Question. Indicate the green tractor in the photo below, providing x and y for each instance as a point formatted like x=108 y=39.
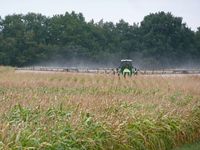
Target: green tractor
x=126 y=68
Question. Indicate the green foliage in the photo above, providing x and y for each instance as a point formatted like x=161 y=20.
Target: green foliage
x=161 y=40
x=195 y=146
x=180 y=100
x=153 y=133
x=54 y=129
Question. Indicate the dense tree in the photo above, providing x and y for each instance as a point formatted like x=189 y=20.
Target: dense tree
x=197 y=40
x=166 y=38
x=161 y=40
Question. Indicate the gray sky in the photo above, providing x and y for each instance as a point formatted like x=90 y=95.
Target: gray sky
x=109 y=10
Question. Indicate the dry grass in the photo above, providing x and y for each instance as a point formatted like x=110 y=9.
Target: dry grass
x=101 y=111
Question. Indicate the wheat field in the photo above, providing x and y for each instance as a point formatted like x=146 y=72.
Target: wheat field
x=97 y=111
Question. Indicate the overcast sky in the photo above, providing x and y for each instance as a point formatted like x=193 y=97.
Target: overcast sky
x=109 y=10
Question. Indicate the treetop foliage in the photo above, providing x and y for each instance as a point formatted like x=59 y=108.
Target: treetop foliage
x=161 y=40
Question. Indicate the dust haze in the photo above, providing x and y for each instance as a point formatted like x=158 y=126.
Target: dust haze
x=139 y=62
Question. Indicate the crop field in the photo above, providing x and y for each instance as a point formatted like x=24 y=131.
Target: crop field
x=97 y=111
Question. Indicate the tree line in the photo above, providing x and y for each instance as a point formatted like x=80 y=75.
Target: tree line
x=161 y=40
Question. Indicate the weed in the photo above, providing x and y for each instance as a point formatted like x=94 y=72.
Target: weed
x=76 y=111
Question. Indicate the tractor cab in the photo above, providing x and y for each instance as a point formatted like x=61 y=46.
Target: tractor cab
x=126 y=68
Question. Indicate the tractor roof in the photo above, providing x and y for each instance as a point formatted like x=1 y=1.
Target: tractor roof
x=123 y=60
